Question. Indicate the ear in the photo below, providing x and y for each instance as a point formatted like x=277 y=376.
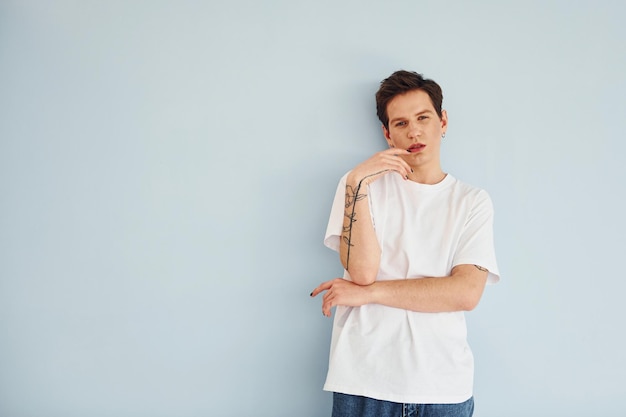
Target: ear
x=387 y=137
x=444 y=121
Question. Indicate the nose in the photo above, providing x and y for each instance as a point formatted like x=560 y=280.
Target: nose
x=415 y=131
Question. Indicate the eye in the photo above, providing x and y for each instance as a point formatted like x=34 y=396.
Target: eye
x=422 y=117
x=400 y=124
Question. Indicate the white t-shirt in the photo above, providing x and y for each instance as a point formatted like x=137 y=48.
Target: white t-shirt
x=399 y=355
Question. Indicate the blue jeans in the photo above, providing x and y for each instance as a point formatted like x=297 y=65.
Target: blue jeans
x=345 y=405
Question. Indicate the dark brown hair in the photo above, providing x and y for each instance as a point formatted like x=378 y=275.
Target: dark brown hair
x=401 y=82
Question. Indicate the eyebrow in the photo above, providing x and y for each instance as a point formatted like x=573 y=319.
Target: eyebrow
x=416 y=114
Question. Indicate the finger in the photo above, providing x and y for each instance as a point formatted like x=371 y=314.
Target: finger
x=393 y=156
x=401 y=167
x=329 y=303
x=326 y=309
x=326 y=305
x=395 y=151
x=322 y=287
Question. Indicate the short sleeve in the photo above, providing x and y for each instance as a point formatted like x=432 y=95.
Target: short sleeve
x=335 y=222
x=476 y=243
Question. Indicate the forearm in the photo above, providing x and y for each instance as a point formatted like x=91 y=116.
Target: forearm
x=461 y=291
x=359 y=250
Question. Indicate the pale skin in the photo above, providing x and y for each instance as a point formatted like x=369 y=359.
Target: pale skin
x=414 y=137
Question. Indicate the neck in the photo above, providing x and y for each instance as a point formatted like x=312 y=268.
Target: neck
x=427 y=176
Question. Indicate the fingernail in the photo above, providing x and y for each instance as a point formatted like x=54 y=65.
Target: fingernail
x=407 y=177
x=411 y=169
x=311 y=295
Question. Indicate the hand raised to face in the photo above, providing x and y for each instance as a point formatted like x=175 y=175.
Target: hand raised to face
x=379 y=164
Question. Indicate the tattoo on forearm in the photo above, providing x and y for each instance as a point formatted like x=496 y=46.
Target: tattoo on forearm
x=481 y=268
x=352 y=196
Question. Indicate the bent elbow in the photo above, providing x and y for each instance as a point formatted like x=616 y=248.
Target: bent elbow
x=469 y=302
x=469 y=306
x=363 y=276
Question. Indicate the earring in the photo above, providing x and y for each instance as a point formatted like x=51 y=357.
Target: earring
x=443 y=136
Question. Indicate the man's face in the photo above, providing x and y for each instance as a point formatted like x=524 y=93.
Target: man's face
x=415 y=126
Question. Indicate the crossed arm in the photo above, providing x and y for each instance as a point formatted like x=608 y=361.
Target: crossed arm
x=360 y=255
x=460 y=291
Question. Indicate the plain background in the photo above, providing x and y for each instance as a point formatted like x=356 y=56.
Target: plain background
x=167 y=169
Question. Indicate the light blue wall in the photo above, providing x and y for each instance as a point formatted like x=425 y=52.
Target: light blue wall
x=167 y=168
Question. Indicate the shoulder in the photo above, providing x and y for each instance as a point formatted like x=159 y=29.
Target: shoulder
x=478 y=196
x=467 y=188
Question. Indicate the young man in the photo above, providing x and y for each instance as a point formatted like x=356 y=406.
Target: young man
x=417 y=248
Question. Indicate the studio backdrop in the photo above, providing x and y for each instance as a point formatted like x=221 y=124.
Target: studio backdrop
x=167 y=170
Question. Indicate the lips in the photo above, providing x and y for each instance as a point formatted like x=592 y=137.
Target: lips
x=416 y=147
